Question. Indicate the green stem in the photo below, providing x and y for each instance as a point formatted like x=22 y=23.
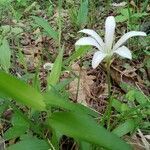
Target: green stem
x=108 y=79
x=107 y=114
x=108 y=110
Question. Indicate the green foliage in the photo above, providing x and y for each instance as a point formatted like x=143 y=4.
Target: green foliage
x=5 y=54
x=134 y=94
x=79 y=16
x=22 y=2
x=54 y=76
x=27 y=143
x=5 y=2
x=85 y=128
x=70 y=124
x=19 y=126
x=80 y=52
x=83 y=13
x=7 y=29
x=47 y=28
x=124 y=128
x=56 y=100
x=124 y=16
x=134 y=115
x=119 y=106
x=20 y=91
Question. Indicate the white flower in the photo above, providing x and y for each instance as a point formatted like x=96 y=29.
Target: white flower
x=107 y=49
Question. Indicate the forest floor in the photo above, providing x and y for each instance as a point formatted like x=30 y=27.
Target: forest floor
x=32 y=47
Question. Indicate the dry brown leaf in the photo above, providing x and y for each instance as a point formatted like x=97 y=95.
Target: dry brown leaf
x=132 y=3
x=32 y=56
x=37 y=32
x=80 y=88
x=135 y=142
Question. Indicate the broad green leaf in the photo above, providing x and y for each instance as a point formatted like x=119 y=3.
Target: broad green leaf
x=124 y=15
x=20 y=124
x=125 y=12
x=80 y=51
x=54 y=99
x=131 y=95
x=119 y=106
x=121 y=18
x=82 y=127
x=14 y=132
x=135 y=94
x=45 y=25
x=140 y=97
x=27 y=95
x=83 y=13
x=54 y=76
x=5 y=54
x=3 y=106
x=19 y=119
x=124 y=128
x=20 y=91
x=62 y=84
x=139 y=15
x=85 y=145
x=56 y=136
x=30 y=144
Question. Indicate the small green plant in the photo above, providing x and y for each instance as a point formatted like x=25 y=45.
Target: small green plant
x=67 y=123
x=133 y=116
x=127 y=15
x=79 y=17
x=47 y=28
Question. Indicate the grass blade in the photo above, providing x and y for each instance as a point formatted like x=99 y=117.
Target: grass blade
x=54 y=76
x=124 y=128
x=45 y=25
x=83 y=13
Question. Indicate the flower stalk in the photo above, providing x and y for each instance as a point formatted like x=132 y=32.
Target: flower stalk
x=108 y=64
x=106 y=50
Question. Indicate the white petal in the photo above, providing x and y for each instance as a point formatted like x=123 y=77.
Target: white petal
x=124 y=52
x=126 y=36
x=110 y=25
x=88 y=41
x=94 y=35
x=97 y=58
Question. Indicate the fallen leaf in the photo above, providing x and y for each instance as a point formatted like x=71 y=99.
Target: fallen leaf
x=80 y=88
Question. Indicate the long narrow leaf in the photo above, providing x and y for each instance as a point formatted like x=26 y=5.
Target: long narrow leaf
x=83 y=13
x=80 y=51
x=54 y=76
x=30 y=144
x=54 y=99
x=124 y=128
x=21 y=92
x=45 y=25
x=85 y=128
